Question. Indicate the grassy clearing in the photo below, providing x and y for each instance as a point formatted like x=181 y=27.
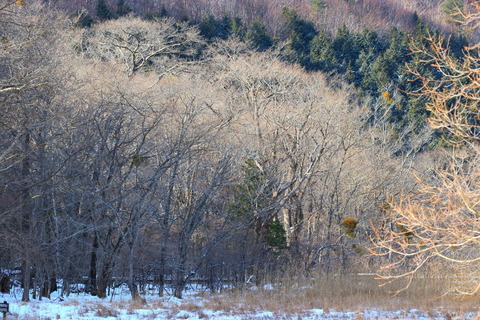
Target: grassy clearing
x=343 y=293
x=351 y=296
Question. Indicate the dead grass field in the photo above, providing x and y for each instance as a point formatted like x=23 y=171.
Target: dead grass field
x=353 y=293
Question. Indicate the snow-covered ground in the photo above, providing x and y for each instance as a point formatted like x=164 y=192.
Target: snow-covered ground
x=83 y=306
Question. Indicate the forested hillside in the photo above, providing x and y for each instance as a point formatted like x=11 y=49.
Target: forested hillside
x=328 y=15
x=161 y=143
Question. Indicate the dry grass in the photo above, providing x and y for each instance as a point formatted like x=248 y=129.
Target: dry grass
x=100 y=309
x=294 y=295
x=105 y=311
x=192 y=307
x=71 y=303
x=342 y=293
x=139 y=303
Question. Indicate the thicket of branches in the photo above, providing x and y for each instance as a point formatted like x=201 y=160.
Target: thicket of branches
x=151 y=152
x=328 y=15
x=438 y=224
x=140 y=159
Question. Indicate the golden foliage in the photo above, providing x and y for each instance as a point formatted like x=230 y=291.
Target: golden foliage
x=20 y=3
x=387 y=97
x=408 y=234
x=349 y=225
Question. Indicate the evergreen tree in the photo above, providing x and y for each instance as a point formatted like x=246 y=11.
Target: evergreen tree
x=237 y=27
x=397 y=50
x=211 y=28
x=457 y=45
x=368 y=40
x=301 y=32
x=102 y=11
x=254 y=195
x=224 y=27
x=276 y=235
x=422 y=30
x=364 y=80
x=258 y=36
x=122 y=8
x=322 y=56
x=208 y=27
x=318 y=7
x=345 y=48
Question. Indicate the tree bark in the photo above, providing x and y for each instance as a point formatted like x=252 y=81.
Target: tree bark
x=103 y=278
x=92 y=276
x=131 y=275
x=26 y=282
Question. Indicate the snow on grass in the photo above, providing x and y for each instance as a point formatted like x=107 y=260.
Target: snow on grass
x=119 y=306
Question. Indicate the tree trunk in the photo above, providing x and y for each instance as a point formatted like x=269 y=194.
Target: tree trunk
x=65 y=288
x=165 y=229
x=26 y=217
x=92 y=276
x=179 y=285
x=163 y=259
x=5 y=284
x=180 y=274
x=131 y=275
x=161 y=285
x=26 y=282
x=103 y=278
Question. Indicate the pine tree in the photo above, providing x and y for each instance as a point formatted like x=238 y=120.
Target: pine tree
x=208 y=27
x=345 y=48
x=254 y=195
x=368 y=40
x=276 y=235
x=301 y=32
x=322 y=56
x=237 y=27
x=102 y=11
x=122 y=8
x=258 y=36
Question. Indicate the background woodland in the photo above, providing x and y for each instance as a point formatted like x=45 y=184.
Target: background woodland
x=160 y=143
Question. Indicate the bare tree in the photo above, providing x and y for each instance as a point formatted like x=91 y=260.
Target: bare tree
x=439 y=223
x=31 y=82
x=161 y=45
x=319 y=157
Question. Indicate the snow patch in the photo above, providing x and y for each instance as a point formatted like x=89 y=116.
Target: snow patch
x=268 y=287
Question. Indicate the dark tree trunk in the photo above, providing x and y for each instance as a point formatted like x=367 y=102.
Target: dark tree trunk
x=131 y=276
x=103 y=280
x=180 y=274
x=26 y=282
x=179 y=286
x=5 y=284
x=26 y=221
x=92 y=276
x=161 y=285
x=49 y=286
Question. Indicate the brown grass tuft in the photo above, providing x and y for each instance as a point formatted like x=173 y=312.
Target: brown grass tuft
x=105 y=311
